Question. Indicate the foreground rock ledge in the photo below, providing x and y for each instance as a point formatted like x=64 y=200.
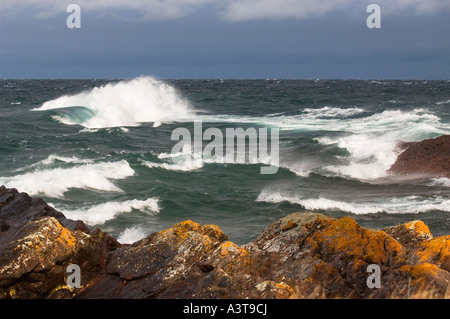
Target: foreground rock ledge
x=303 y=255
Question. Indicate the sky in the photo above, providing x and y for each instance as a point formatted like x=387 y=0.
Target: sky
x=224 y=39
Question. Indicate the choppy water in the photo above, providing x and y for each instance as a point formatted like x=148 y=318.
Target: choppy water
x=101 y=151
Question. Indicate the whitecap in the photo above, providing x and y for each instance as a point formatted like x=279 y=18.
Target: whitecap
x=55 y=182
x=101 y=213
x=121 y=104
x=443 y=102
x=131 y=235
x=441 y=181
x=396 y=205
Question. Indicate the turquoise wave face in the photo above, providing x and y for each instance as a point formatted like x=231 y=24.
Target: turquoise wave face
x=74 y=115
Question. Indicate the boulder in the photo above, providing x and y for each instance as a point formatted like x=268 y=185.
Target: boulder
x=36 y=249
x=429 y=157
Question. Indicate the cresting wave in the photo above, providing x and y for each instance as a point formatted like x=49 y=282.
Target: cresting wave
x=54 y=182
x=101 y=213
x=125 y=103
x=403 y=205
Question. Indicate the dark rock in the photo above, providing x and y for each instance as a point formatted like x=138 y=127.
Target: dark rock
x=3 y=226
x=430 y=157
x=16 y=208
x=36 y=248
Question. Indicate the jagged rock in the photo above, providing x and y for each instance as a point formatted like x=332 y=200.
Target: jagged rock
x=312 y=250
x=429 y=157
x=35 y=248
x=16 y=208
x=302 y=255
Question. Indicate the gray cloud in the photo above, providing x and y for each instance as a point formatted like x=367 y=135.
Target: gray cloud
x=147 y=9
x=231 y=10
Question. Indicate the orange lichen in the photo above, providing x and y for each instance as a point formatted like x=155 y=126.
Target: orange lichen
x=66 y=237
x=180 y=230
x=229 y=247
x=436 y=250
x=214 y=231
x=346 y=236
x=284 y=286
x=278 y=290
x=287 y=225
x=421 y=270
x=420 y=229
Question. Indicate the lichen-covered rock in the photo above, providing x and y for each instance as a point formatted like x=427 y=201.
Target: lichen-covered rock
x=312 y=250
x=410 y=233
x=302 y=255
x=423 y=249
x=36 y=249
x=426 y=280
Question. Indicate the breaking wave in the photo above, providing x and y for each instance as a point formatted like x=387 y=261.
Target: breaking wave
x=54 y=182
x=101 y=213
x=402 y=205
x=125 y=103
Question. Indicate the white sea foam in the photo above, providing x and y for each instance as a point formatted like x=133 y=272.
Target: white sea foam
x=371 y=155
x=101 y=213
x=442 y=181
x=131 y=235
x=55 y=182
x=297 y=170
x=372 y=146
x=404 y=205
x=318 y=204
x=332 y=112
x=185 y=165
x=125 y=103
x=185 y=162
x=443 y=102
x=407 y=125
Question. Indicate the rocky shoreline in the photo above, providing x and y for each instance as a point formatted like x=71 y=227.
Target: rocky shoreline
x=302 y=255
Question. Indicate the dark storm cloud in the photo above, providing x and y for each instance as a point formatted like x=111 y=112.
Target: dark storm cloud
x=208 y=39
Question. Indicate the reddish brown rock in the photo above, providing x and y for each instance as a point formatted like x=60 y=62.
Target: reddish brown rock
x=430 y=157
